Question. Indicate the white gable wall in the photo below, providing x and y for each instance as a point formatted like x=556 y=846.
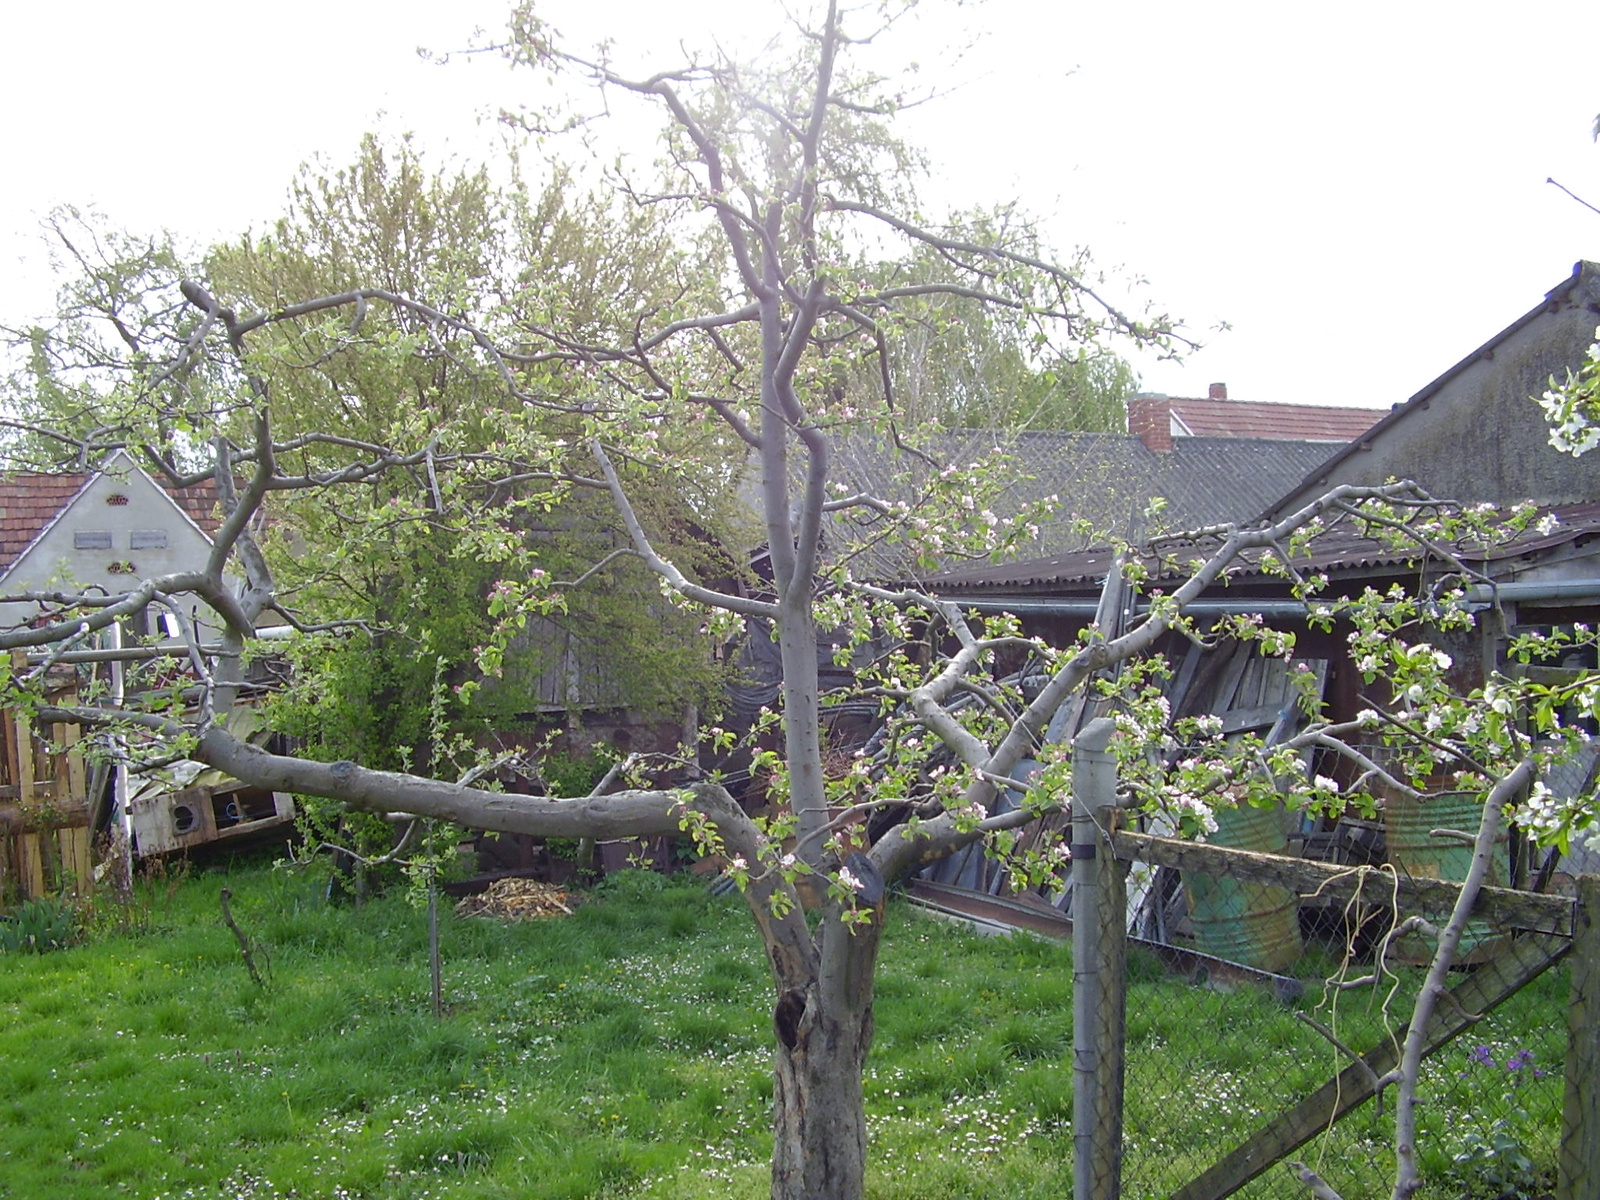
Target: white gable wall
x=110 y=535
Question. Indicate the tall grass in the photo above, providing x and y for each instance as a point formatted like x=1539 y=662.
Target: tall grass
x=621 y=1052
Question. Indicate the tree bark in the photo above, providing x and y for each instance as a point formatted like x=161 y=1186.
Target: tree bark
x=824 y=1031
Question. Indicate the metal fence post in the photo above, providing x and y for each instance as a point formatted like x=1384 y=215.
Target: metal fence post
x=1099 y=951
x=1578 y=1175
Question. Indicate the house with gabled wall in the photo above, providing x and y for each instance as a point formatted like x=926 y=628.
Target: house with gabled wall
x=1475 y=433
x=102 y=530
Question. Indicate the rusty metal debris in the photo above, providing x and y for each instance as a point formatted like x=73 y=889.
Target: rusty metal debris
x=517 y=900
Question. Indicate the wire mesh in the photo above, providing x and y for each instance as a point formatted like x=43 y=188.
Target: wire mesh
x=1211 y=1062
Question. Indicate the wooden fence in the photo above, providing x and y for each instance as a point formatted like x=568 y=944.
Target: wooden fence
x=45 y=834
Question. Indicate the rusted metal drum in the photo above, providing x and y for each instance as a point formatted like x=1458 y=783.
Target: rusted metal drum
x=1256 y=924
x=1415 y=853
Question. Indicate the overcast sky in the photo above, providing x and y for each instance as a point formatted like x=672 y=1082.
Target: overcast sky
x=1358 y=190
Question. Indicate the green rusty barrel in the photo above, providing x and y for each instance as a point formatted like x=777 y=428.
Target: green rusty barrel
x=1256 y=924
x=1407 y=826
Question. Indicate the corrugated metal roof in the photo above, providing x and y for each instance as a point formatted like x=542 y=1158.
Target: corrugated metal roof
x=1107 y=480
x=1343 y=548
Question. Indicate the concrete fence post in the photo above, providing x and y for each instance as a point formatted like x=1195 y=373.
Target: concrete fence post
x=1578 y=1170
x=1099 y=955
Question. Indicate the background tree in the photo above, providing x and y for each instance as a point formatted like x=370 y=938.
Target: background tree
x=90 y=379
x=961 y=363
x=410 y=582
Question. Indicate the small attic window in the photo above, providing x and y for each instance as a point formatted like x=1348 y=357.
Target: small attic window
x=92 y=539
x=116 y=500
x=147 y=539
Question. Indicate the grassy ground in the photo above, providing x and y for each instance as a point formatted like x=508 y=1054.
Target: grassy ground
x=623 y=1051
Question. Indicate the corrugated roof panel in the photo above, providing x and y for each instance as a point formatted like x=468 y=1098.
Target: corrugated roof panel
x=1106 y=480
x=1343 y=548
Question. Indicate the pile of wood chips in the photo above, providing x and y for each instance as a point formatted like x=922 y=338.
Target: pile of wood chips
x=516 y=900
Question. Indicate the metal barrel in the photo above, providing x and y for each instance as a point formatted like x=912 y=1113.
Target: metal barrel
x=1408 y=826
x=1255 y=924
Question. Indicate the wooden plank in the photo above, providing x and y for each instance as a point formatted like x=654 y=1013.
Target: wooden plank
x=1334 y=883
x=1238 y=720
x=1256 y=683
x=13 y=751
x=1487 y=987
x=50 y=860
x=30 y=865
x=1111 y=1020
x=1099 y=952
x=1578 y=1171
x=22 y=734
x=1232 y=674
x=1178 y=693
x=1210 y=681
x=16 y=819
x=85 y=852
x=9 y=764
x=74 y=776
x=77 y=860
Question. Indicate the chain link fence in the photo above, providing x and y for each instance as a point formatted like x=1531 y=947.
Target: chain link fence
x=1200 y=1078
x=1212 y=1062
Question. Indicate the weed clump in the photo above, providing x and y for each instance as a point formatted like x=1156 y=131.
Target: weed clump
x=38 y=926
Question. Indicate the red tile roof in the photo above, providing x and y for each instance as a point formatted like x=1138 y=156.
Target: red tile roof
x=200 y=503
x=1284 y=422
x=28 y=502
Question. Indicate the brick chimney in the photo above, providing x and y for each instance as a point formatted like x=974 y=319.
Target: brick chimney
x=1219 y=391
x=1150 y=420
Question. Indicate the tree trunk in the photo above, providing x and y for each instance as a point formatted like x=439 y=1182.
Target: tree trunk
x=823 y=1034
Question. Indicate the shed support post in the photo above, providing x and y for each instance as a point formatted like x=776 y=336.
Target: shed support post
x=1099 y=952
x=1578 y=1172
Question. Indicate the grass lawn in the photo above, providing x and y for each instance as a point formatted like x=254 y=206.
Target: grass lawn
x=619 y=1052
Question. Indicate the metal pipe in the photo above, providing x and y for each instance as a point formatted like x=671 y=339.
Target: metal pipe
x=276 y=633
x=1022 y=606
x=126 y=654
x=1549 y=589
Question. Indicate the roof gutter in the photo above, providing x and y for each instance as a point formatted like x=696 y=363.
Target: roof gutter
x=1087 y=608
x=1477 y=595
